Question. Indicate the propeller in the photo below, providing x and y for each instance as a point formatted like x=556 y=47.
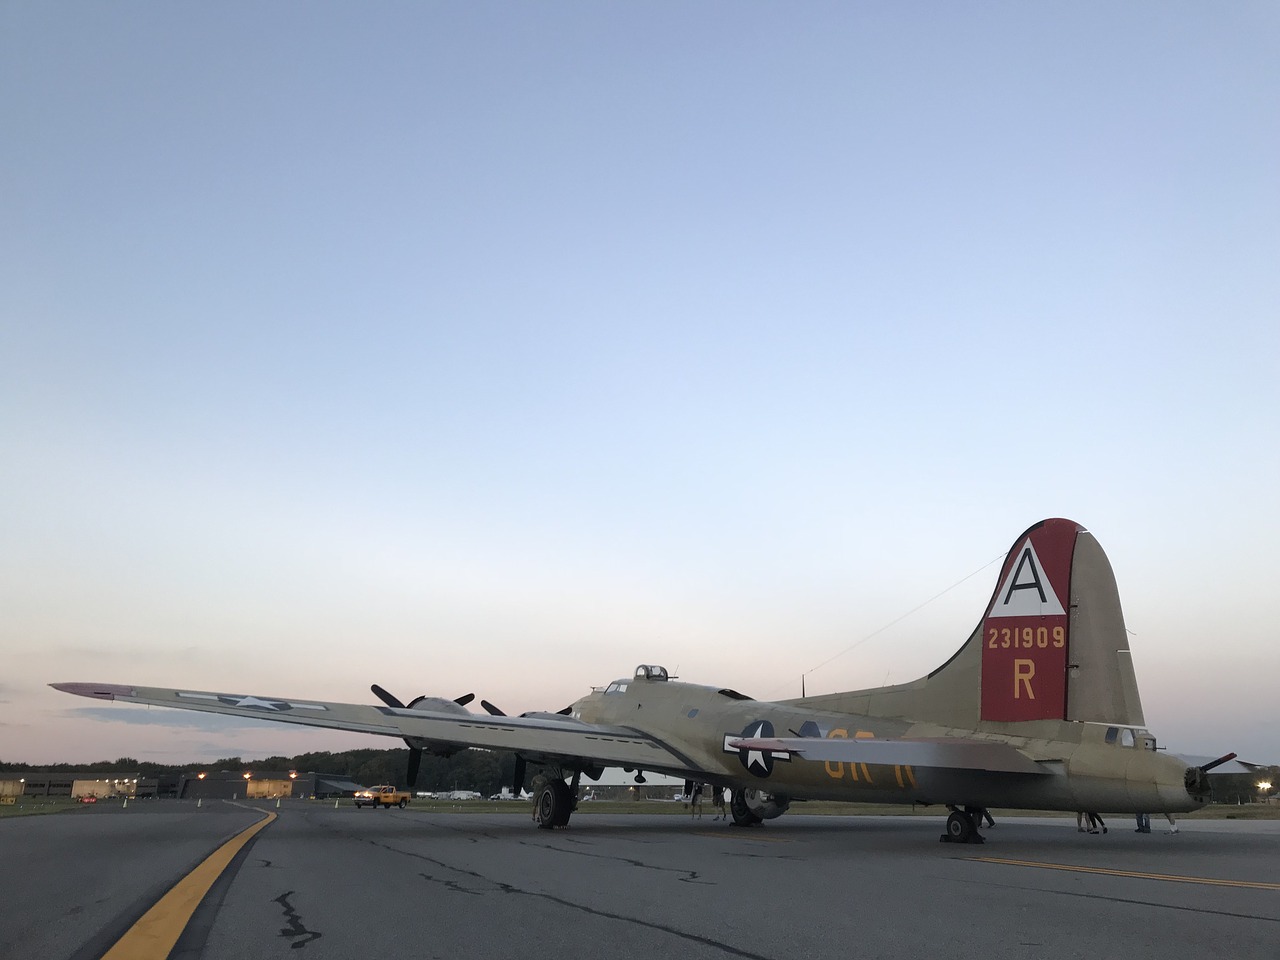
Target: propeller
x=415 y=753
x=491 y=709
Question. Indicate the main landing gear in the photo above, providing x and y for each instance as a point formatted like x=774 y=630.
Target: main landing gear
x=555 y=801
x=962 y=826
x=743 y=815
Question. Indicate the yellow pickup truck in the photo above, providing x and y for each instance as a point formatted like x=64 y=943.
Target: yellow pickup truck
x=384 y=795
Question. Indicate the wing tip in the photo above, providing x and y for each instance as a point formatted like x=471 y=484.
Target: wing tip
x=98 y=691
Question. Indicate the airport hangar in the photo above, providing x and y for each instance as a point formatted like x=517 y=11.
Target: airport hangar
x=188 y=785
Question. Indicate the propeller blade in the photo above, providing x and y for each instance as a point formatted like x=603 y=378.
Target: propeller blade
x=491 y=709
x=415 y=761
x=517 y=782
x=385 y=697
x=463 y=700
x=1217 y=763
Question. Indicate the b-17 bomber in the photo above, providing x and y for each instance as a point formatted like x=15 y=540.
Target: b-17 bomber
x=1038 y=709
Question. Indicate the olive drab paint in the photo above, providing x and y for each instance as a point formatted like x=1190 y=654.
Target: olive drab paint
x=1026 y=631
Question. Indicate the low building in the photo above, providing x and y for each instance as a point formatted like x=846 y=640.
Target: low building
x=117 y=783
x=264 y=785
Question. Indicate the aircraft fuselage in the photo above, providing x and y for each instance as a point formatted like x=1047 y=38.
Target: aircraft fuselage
x=1080 y=771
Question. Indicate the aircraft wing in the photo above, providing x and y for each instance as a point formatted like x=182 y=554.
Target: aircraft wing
x=536 y=737
x=949 y=753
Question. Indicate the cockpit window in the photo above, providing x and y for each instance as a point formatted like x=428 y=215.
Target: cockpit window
x=618 y=686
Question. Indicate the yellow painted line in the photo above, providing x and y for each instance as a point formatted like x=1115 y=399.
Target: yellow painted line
x=1104 y=871
x=154 y=935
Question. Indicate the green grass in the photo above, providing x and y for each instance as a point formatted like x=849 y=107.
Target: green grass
x=35 y=806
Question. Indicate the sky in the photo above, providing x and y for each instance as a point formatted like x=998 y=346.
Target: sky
x=500 y=347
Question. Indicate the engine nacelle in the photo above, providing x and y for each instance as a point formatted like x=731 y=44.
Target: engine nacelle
x=766 y=806
x=437 y=705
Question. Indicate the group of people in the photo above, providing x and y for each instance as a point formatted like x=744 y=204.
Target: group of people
x=1096 y=823
x=717 y=801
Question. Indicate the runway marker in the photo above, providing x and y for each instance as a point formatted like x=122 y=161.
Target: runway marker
x=1107 y=872
x=156 y=932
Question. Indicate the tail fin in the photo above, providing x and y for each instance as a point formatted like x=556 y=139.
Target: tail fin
x=1051 y=646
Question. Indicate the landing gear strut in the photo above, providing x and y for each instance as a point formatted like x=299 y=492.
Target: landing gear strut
x=962 y=826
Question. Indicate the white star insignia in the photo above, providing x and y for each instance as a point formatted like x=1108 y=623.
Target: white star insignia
x=756 y=756
x=255 y=702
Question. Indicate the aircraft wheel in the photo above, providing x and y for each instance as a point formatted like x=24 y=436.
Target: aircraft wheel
x=555 y=803
x=959 y=827
x=742 y=815
x=565 y=802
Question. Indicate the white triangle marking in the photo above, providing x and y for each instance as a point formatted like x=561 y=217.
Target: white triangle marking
x=1026 y=591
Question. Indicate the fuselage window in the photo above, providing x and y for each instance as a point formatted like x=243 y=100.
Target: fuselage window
x=1112 y=733
x=1126 y=738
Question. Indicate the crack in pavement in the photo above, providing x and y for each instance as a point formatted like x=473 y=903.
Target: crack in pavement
x=295 y=926
x=687 y=876
x=1129 y=900
x=453 y=886
x=509 y=888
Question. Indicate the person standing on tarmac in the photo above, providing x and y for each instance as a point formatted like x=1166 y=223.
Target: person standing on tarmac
x=695 y=801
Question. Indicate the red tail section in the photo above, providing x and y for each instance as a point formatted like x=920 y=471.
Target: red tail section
x=1025 y=634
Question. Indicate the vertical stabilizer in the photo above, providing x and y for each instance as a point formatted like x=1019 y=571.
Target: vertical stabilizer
x=1025 y=634
x=1051 y=646
x=1101 y=683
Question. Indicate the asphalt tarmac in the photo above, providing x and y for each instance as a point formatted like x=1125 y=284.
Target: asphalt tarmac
x=319 y=882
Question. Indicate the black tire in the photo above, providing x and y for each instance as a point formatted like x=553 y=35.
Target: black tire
x=959 y=827
x=742 y=815
x=544 y=808
x=403 y=803
x=554 y=805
